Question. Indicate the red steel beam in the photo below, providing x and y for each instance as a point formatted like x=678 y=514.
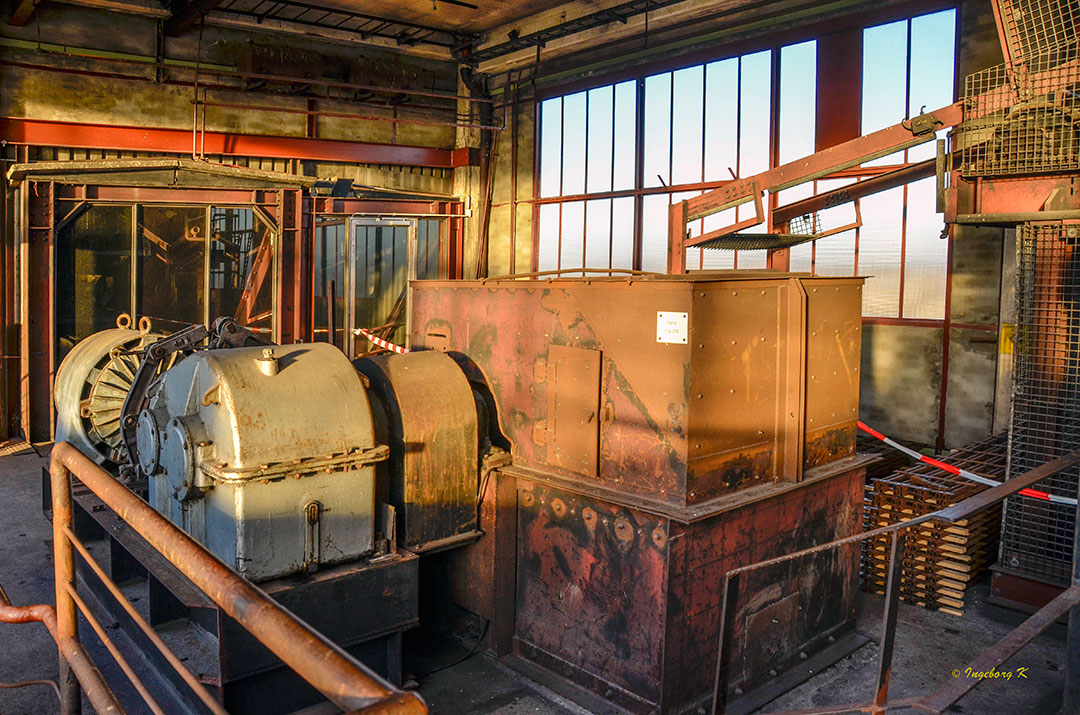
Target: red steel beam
x=179 y=141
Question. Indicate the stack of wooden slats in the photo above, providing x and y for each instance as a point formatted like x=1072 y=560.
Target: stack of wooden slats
x=940 y=560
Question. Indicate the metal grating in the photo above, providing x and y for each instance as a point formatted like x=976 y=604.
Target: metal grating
x=1033 y=27
x=1037 y=536
x=808 y=227
x=1023 y=119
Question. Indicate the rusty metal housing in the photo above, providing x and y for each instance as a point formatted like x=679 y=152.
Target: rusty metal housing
x=664 y=430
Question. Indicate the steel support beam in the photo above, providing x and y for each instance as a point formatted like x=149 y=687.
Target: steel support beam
x=179 y=141
x=23 y=11
x=189 y=16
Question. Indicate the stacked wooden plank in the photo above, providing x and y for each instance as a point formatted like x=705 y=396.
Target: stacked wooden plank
x=940 y=560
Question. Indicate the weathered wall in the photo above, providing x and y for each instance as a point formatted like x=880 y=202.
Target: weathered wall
x=164 y=99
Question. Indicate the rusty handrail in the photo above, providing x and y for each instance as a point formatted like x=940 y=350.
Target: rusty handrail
x=75 y=664
x=945 y=696
x=342 y=679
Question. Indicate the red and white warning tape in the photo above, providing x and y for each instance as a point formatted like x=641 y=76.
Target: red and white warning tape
x=1029 y=492
x=380 y=342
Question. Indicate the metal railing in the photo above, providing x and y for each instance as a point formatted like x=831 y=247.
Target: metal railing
x=953 y=690
x=337 y=675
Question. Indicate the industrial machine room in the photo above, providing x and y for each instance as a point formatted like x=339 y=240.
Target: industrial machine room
x=647 y=357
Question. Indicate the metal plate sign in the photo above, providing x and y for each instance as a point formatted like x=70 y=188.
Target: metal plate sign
x=671 y=327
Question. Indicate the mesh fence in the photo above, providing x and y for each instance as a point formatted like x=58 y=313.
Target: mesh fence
x=1037 y=537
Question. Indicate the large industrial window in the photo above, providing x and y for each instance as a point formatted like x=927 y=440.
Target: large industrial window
x=613 y=158
x=175 y=265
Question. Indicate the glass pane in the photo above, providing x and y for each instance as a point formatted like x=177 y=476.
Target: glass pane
x=171 y=265
x=925 y=255
x=622 y=232
x=754 y=113
x=751 y=259
x=657 y=130
x=93 y=274
x=721 y=120
x=884 y=85
x=798 y=80
x=625 y=135
x=573 y=235
x=550 y=146
x=548 y=233
x=688 y=115
x=933 y=46
x=599 y=140
x=329 y=258
x=835 y=255
x=879 y=252
x=241 y=268
x=712 y=260
x=380 y=265
x=654 y=233
x=573 y=149
x=428 y=232
x=598 y=234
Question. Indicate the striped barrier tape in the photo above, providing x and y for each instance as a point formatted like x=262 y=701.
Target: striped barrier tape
x=1029 y=492
x=380 y=342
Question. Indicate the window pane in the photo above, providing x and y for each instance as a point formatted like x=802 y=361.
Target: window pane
x=93 y=274
x=550 y=146
x=714 y=259
x=751 y=259
x=657 y=130
x=933 y=44
x=573 y=150
x=654 y=233
x=548 y=233
x=241 y=268
x=328 y=266
x=573 y=235
x=879 y=252
x=721 y=119
x=754 y=115
x=835 y=255
x=926 y=254
x=428 y=232
x=798 y=77
x=598 y=234
x=687 y=120
x=599 y=144
x=171 y=265
x=625 y=135
x=884 y=86
x=622 y=232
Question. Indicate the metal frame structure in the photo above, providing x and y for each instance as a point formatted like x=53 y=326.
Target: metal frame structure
x=942 y=698
x=338 y=676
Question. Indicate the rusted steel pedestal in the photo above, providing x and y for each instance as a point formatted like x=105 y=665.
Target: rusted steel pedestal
x=625 y=601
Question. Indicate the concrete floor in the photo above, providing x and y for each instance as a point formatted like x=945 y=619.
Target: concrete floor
x=930 y=645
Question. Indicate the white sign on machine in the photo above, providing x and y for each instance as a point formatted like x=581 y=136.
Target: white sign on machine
x=671 y=327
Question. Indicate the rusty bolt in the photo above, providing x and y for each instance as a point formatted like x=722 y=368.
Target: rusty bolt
x=558 y=507
x=624 y=531
x=527 y=499
x=588 y=516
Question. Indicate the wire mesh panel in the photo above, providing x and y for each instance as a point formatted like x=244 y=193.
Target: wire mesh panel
x=1037 y=536
x=1023 y=118
x=1035 y=26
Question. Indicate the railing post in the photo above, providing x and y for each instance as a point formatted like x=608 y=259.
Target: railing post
x=888 y=624
x=64 y=566
x=726 y=644
x=1071 y=700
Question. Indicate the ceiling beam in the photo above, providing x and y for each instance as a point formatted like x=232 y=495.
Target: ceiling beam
x=24 y=10
x=189 y=16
